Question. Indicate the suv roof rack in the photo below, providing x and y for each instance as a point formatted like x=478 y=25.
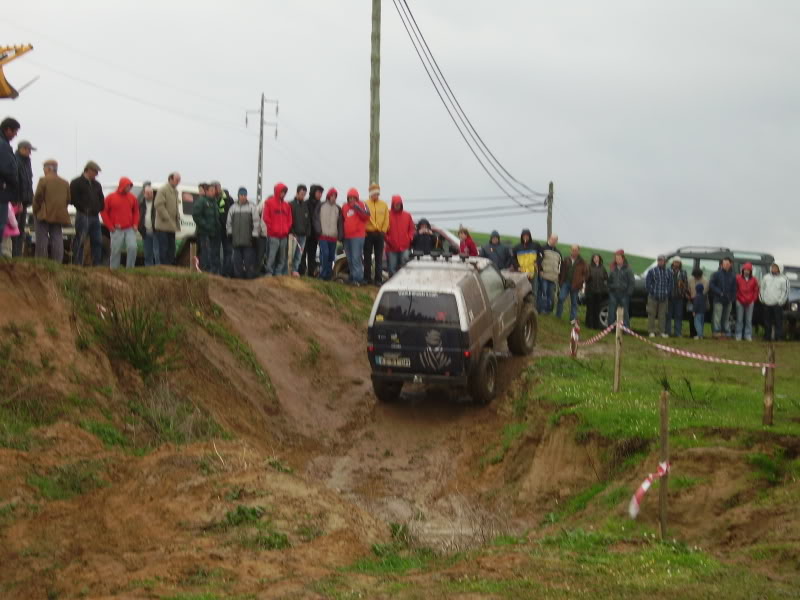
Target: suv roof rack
x=698 y=249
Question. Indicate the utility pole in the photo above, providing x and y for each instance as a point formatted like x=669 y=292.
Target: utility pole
x=550 y=211
x=375 y=96
x=262 y=122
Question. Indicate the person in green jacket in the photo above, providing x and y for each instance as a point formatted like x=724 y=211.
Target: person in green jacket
x=206 y=219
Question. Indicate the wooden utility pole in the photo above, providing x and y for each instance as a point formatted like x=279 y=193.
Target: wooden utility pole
x=769 y=387
x=375 y=96
x=663 y=487
x=262 y=122
x=618 y=348
x=550 y=211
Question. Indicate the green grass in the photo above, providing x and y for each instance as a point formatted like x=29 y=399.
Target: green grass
x=311 y=356
x=21 y=415
x=107 y=432
x=393 y=559
x=638 y=263
x=243 y=515
x=511 y=433
x=576 y=503
x=353 y=305
x=67 y=481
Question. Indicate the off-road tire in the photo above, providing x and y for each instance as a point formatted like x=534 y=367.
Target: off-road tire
x=387 y=391
x=483 y=380
x=523 y=339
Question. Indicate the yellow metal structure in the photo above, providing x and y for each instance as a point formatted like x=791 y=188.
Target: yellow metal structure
x=7 y=54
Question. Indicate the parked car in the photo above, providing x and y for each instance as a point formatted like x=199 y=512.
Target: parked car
x=706 y=258
x=791 y=312
x=440 y=320
x=183 y=239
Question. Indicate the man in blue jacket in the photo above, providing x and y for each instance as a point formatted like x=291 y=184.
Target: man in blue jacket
x=723 y=290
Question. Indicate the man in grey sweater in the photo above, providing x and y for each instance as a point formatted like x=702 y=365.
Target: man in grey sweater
x=243 y=227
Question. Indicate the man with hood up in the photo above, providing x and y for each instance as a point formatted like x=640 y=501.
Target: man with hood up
x=424 y=240
x=355 y=216
x=549 y=272
x=398 y=238
x=746 y=296
x=497 y=252
x=278 y=219
x=308 y=261
x=774 y=294
x=23 y=156
x=121 y=217
x=526 y=256
x=329 y=229
x=205 y=214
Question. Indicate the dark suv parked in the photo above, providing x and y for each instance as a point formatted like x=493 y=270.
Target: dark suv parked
x=708 y=260
x=791 y=312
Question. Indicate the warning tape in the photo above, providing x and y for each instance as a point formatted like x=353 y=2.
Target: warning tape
x=636 y=499
x=576 y=330
x=695 y=355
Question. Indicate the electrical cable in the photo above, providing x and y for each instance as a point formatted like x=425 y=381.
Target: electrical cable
x=512 y=212
x=462 y=211
x=447 y=108
x=482 y=147
x=470 y=199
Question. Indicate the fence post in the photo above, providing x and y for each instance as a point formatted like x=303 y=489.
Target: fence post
x=769 y=387
x=618 y=349
x=573 y=339
x=664 y=458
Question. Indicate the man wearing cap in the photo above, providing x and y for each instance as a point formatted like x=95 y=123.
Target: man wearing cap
x=9 y=172
x=244 y=227
x=168 y=218
x=50 y=209
x=377 y=226
x=25 y=173
x=86 y=195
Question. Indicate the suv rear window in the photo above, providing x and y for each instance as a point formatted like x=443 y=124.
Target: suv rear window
x=418 y=307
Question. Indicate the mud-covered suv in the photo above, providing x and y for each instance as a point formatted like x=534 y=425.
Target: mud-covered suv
x=441 y=320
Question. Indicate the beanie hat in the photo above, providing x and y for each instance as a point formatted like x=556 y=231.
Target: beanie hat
x=352 y=192
x=374 y=190
x=243 y=191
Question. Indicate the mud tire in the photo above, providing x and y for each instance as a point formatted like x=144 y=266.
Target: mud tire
x=523 y=339
x=483 y=380
x=387 y=392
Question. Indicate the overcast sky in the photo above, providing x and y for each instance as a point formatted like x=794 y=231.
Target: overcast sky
x=661 y=123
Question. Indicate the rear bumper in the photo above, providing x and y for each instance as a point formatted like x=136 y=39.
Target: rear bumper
x=451 y=380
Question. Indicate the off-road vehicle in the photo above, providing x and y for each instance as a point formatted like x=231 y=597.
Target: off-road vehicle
x=441 y=319
x=791 y=311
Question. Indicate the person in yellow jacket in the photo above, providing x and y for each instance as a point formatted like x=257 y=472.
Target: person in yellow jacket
x=377 y=226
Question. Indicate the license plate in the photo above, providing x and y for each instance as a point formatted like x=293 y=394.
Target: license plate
x=386 y=361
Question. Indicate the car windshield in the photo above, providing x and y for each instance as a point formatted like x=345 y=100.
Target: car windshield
x=418 y=307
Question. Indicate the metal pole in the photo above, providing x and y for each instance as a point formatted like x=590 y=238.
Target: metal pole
x=550 y=211
x=260 y=151
x=375 y=96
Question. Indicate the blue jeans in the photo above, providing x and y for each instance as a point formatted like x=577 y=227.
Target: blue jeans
x=675 y=313
x=166 y=247
x=613 y=303
x=87 y=225
x=151 y=256
x=226 y=266
x=744 y=321
x=126 y=238
x=276 y=257
x=397 y=260
x=210 y=249
x=546 y=290
x=566 y=290
x=327 y=254
x=298 y=252
x=699 y=323
x=354 y=249
x=244 y=258
x=721 y=322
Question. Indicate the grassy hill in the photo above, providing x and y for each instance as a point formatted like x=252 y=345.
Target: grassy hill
x=638 y=263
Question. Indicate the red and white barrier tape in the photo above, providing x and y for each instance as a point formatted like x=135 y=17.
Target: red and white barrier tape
x=592 y=340
x=197 y=263
x=636 y=499
x=695 y=355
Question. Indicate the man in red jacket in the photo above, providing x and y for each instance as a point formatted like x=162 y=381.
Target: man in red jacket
x=398 y=238
x=355 y=215
x=278 y=219
x=121 y=217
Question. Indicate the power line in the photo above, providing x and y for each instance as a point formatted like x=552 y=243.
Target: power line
x=471 y=199
x=447 y=108
x=473 y=133
x=462 y=211
x=508 y=212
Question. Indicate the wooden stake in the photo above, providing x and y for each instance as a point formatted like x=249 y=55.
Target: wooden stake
x=618 y=349
x=663 y=487
x=769 y=387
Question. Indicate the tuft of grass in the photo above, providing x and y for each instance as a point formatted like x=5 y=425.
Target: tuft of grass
x=68 y=481
x=22 y=414
x=616 y=496
x=576 y=503
x=173 y=419
x=393 y=559
x=243 y=515
x=279 y=465
x=266 y=539
x=107 y=432
x=312 y=353
x=775 y=469
x=353 y=306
